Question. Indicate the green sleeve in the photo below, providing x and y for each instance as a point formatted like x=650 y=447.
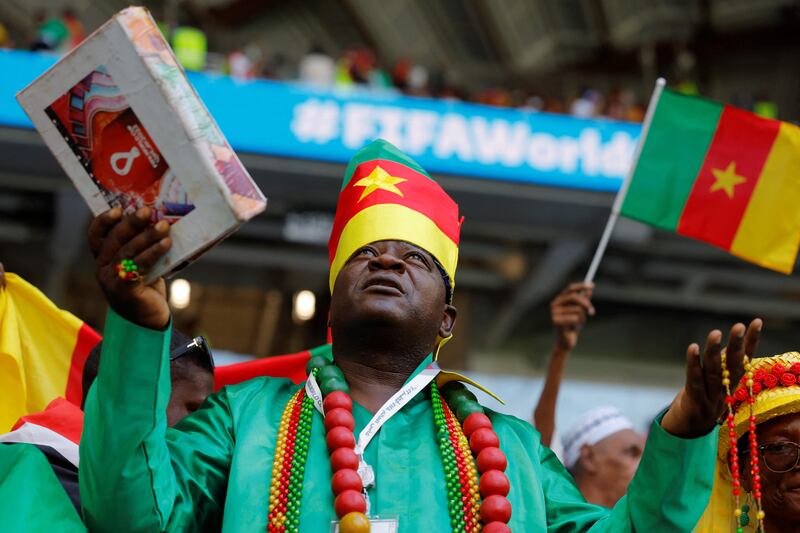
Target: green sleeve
x=668 y=493
x=135 y=474
x=31 y=498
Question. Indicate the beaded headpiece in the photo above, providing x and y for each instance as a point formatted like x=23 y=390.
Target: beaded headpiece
x=770 y=388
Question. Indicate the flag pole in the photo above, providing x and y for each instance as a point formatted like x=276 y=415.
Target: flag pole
x=623 y=190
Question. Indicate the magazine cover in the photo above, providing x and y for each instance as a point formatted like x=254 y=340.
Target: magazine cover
x=127 y=127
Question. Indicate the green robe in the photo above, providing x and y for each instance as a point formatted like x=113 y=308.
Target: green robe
x=212 y=471
x=31 y=497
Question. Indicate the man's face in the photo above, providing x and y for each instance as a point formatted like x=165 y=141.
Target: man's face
x=391 y=283
x=188 y=394
x=780 y=491
x=616 y=460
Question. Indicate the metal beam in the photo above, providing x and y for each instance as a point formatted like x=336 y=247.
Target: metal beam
x=717 y=302
x=760 y=280
x=545 y=279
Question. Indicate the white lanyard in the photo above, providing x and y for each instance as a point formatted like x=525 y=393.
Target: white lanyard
x=398 y=400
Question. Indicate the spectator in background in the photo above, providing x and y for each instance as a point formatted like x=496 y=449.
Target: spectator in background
x=602 y=452
x=278 y=67
x=568 y=312
x=533 y=103
x=379 y=79
x=191 y=374
x=400 y=73
x=75 y=32
x=410 y=78
x=342 y=78
x=616 y=106
x=554 y=105
x=190 y=47
x=5 y=38
x=765 y=106
x=317 y=68
x=588 y=105
x=775 y=412
x=495 y=97
x=634 y=111
x=240 y=66
x=51 y=33
x=56 y=431
x=361 y=61
x=418 y=81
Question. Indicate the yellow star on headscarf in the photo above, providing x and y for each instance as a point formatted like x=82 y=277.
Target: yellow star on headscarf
x=727 y=179
x=379 y=179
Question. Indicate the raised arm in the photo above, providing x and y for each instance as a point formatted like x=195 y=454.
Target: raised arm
x=568 y=311
x=673 y=482
x=135 y=474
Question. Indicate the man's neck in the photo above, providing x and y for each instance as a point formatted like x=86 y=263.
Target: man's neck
x=595 y=494
x=374 y=377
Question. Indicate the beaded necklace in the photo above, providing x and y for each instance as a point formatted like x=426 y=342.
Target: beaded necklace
x=467 y=445
x=741 y=512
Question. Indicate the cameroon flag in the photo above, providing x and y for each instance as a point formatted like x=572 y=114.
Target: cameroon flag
x=42 y=351
x=386 y=195
x=721 y=175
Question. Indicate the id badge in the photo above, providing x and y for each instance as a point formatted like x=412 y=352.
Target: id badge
x=377 y=525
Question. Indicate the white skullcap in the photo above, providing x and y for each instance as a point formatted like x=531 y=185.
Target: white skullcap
x=592 y=427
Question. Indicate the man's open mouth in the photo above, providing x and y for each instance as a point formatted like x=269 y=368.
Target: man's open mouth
x=383 y=284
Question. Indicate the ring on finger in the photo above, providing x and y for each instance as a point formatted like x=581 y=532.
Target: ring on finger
x=128 y=270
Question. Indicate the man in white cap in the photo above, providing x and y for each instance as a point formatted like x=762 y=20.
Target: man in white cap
x=602 y=451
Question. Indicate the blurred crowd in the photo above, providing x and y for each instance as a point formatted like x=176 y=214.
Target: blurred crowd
x=355 y=67
x=360 y=67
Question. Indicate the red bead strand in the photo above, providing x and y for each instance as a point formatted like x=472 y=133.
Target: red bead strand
x=745 y=392
x=493 y=485
x=345 y=483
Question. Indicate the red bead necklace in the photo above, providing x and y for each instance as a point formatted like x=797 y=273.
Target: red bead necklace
x=467 y=443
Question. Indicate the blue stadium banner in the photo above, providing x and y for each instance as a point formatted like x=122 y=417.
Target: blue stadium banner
x=448 y=137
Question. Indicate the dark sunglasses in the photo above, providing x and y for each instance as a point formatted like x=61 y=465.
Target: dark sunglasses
x=198 y=344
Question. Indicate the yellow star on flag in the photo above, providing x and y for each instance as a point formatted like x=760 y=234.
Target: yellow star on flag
x=379 y=179
x=726 y=179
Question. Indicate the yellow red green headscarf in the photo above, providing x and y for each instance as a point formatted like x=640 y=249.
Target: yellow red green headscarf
x=386 y=195
x=777 y=392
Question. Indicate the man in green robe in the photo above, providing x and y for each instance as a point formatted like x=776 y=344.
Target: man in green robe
x=393 y=253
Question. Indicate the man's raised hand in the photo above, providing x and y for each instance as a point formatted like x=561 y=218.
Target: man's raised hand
x=696 y=408
x=568 y=311
x=114 y=237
